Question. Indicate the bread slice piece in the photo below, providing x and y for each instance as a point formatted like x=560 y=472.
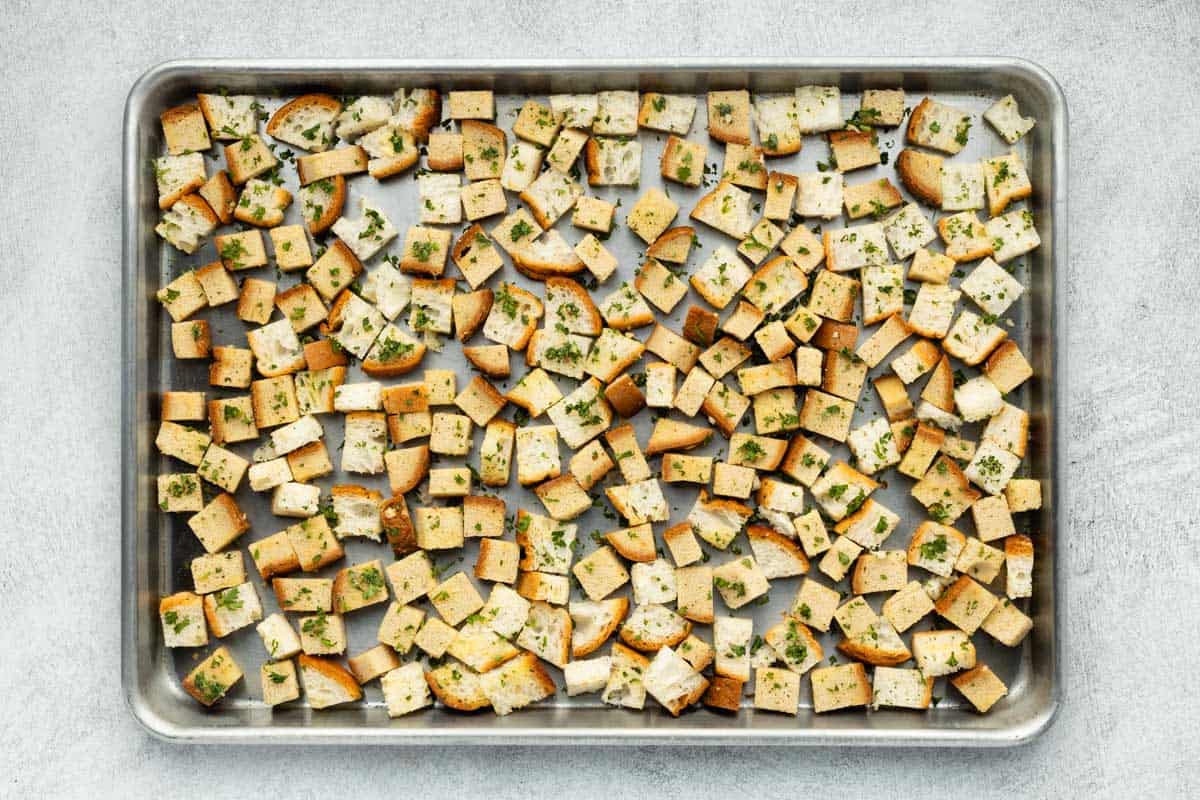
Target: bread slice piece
x=652 y=627
x=778 y=556
x=518 y=683
x=729 y=115
x=728 y=209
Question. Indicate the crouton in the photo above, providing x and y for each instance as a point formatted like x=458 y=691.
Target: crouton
x=683 y=161
x=640 y=502
x=669 y=113
x=321 y=203
x=612 y=354
x=625 y=396
x=1005 y=117
x=727 y=209
x=980 y=686
x=613 y=162
x=567 y=147
x=729 y=116
x=484 y=150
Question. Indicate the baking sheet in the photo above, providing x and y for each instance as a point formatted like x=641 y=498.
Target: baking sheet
x=159 y=547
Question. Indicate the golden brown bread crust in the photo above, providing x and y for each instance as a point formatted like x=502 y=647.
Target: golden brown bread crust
x=474 y=308
x=398 y=526
x=763 y=533
x=457 y=701
x=619 y=607
x=541 y=270
x=322 y=101
x=724 y=694
x=333 y=208
x=670 y=434
x=921 y=174
x=625 y=396
x=582 y=298
x=700 y=326
x=420 y=456
x=833 y=335
x=939 y=390
x=321 y=354
x=633 y=548
x=333 y=671
x=487 y=359
x=672 y=245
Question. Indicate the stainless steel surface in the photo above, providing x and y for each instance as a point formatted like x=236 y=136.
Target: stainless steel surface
x=156 y=549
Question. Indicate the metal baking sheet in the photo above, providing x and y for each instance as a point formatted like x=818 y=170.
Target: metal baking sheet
x=158 y=547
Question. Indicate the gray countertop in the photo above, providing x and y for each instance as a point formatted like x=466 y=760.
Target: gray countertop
x=1131 y=550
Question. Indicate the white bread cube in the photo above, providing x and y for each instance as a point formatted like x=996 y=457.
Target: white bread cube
x=818 y=109
x=731 y=642
x=962 y=186
x=819 y=194
x=992 y=467
x=991 y=287
x=1013 y=234
x=182 y=617
x=587 y=676
x=294 y=435
x=1005 y=117
x=405 y=690
x=653 y=582
x=279 y=637
x=978 y=399
x=901 y=688
x=300 y=500
x=908 y=230
x=232 y=609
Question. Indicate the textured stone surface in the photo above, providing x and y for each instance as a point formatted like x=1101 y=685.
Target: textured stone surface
x=1130 y=550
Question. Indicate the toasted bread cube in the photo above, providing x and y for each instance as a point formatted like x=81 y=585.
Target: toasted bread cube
x=839 y=687
x=187 y=223
x=359 y=586
x=723 y=357
x=729 y=116
x=412 y=576
x=565 y=152
x=880 y=571
x=219 y=523
x=482 y=199
x=536 y=123
x=939 y=653
x=683 y=161
x=965 y=604
x=182 y=617
x=600 y=573
x=399 y=626
x=275 y=554
x=314 y=543
x=815 y=604
x=731 y=642
x=730 y=480
x=727 y=209
x=497 y=561
x=303 y=594
x=693 y=391
x=451 y=434
x=278 y=637
x=590 y=464
x=1005 y=117
x=651 y=215
x=981 y=687
x=777 y=689
x=901 y=688
x=1007 y=624
x=563 y=497
x=213 y=677
x=495 y=454
x=455 y=598
x=740 y=581
x=818 y=109
x=183 y=297
x=744 y=166
x=678 y=468
x=279 y=681
x=938 y=126
x=775 y=411
x=853 y=149
x=804 y=460
x=670 y=113
x=1023 y=494
x=966 y=238
x=992 y=467
x=309 y=462
x=596 y=257
x=184 y=129
x=593 y=214
x=179 y=492
x=840 y=556
x=962 y=186
x=681 y=541
x=616 y=113
x=438 y=528
x=232 y=609
x=882 y=107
